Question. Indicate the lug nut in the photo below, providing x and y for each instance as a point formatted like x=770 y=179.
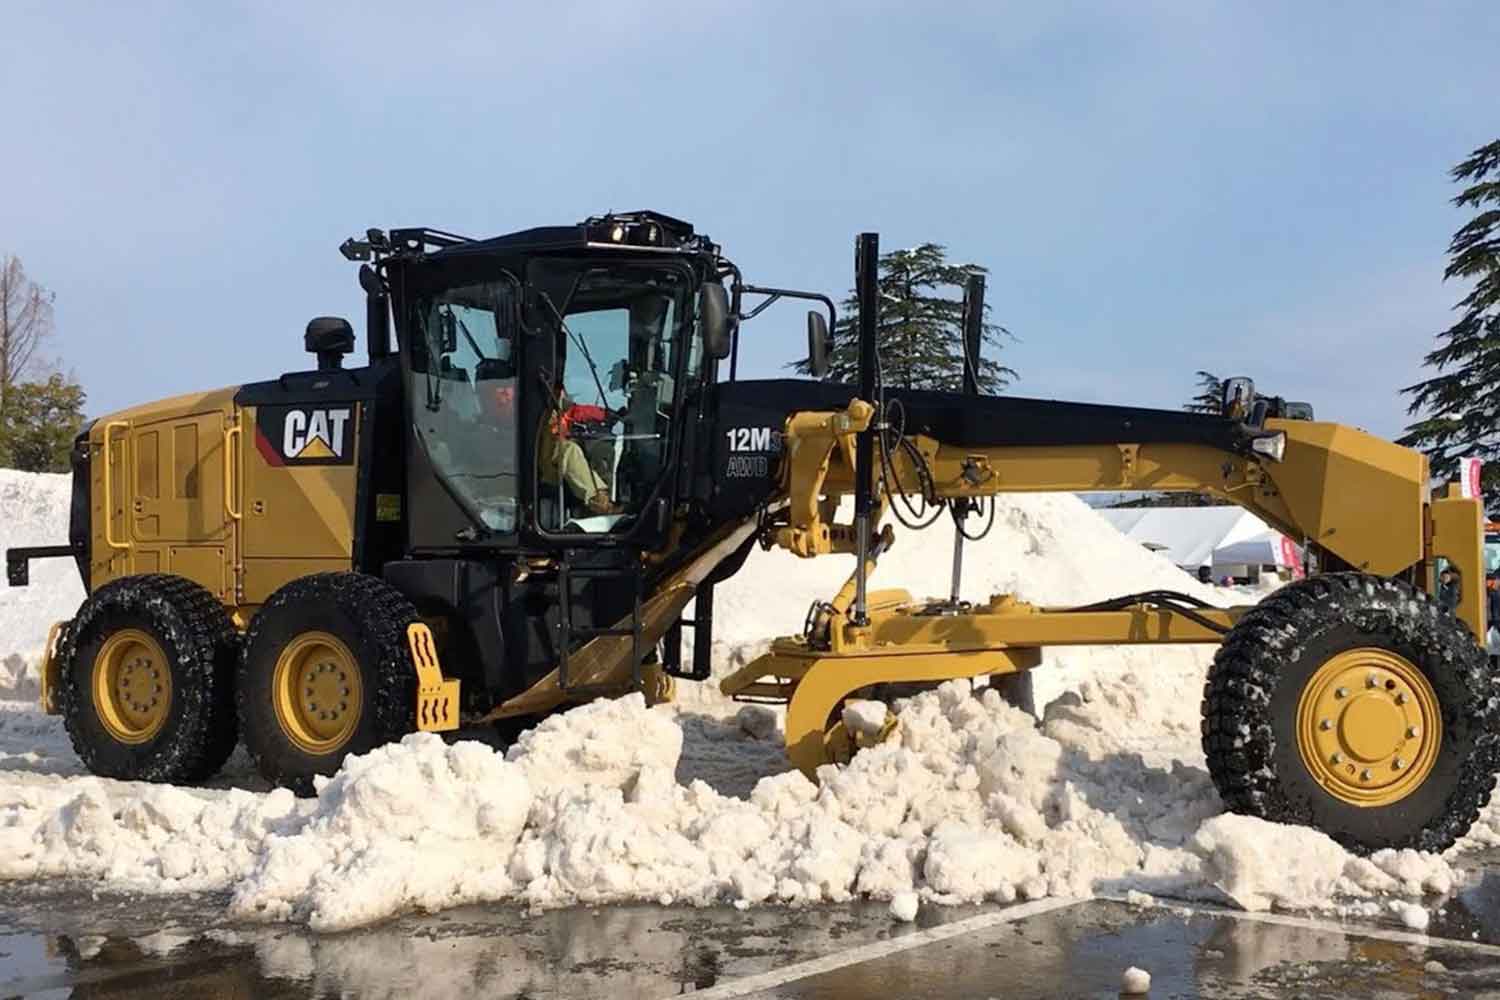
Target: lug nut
x=346 y=692
x=1411 y=732
x=1341 y=693
x=1337 y=758
x=1325 y=725
x=1398 y=763
x=343 y=706
x=1401 y=698
x=1365 y=775
x=1372 y=681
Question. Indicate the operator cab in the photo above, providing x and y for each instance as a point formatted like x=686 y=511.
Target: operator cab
x=545 y=373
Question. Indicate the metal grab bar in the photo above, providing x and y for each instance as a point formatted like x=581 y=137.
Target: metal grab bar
x=230 y=435
x=109 y=507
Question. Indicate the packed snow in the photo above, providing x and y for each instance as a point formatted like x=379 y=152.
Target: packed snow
x=33 y=511
x=904 y=906
x=1135 y=982
x=969 y=799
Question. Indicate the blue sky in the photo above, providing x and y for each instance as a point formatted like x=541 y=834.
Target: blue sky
x=1157 y=187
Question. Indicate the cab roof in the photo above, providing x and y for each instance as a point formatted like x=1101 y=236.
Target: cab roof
x=643 y=230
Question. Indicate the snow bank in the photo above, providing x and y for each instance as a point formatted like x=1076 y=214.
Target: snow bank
x=33 y=511
x=972 y=801
x=969 y=800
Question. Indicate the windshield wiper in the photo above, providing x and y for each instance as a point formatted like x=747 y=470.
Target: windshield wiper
x=582 y=347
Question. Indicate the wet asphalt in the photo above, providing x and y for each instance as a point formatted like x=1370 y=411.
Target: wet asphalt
x=65 y=941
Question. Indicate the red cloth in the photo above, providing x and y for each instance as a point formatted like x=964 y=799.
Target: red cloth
x=580 y=413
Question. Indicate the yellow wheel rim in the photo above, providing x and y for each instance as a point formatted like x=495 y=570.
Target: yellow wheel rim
x=1369 y=727
x=318 y=692
x=132 y=686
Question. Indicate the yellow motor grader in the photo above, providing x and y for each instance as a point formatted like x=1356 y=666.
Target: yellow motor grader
x=512 y=504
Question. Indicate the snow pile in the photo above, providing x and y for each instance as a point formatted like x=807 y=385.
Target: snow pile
x=33 y=511
x=968 y=800
x=146 y=838
x=419 y=824
x=971 y=801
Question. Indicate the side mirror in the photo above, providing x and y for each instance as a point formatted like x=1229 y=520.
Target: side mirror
x=1237 y=399
x=817 y=344
x=713 y=315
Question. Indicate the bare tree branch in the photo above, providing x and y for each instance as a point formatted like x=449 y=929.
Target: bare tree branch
x=25 y=324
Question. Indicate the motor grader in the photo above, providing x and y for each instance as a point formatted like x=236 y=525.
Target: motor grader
x=511 y=506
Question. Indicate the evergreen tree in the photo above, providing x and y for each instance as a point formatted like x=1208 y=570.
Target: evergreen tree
x=920 y=335
x=1460 y=405
x=41 y=421
x=1210 y=396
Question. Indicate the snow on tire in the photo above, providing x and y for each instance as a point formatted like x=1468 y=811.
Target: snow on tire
x=350 y=688
x=1312 y=706
x=146 y=681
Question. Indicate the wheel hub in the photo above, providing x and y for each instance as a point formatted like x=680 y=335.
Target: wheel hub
x=318 y=692
x=1369 y=726
x=132 y=686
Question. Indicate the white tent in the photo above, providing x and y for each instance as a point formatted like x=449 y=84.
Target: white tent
x=1270 y=548
x=1223 y=538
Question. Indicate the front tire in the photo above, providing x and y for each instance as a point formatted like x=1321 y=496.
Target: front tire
x=1356 y=705
x=326 y=673
x=146 y=681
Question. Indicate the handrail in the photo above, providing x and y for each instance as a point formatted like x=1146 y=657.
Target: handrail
x=230 y=435
x=109 y=507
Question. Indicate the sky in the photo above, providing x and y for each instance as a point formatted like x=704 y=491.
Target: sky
x=1253 y=189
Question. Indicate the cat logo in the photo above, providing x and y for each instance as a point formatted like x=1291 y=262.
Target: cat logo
x=297 y=435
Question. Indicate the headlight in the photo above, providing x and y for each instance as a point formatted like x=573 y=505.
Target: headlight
x=1272 y=446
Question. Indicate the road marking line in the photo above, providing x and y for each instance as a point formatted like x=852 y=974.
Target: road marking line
x=879 y=949
x=1330 y=926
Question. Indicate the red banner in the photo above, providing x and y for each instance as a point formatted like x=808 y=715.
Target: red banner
x=1290 y=557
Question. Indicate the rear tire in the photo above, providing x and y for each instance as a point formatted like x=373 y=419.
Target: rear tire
x=146 y=680
x=339 y=637
x=1356 y=705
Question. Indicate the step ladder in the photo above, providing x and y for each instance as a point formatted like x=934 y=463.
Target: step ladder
x=568 y=632
x=702 y=625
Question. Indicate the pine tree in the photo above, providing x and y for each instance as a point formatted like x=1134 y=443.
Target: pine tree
x=40 y=423
x=1460 y=405
x=1210 y=395
x=921 y=331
